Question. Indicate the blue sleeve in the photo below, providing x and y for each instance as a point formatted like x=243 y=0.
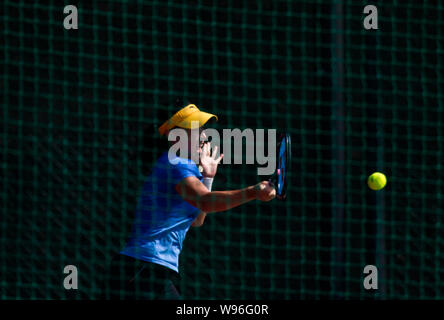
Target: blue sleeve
x=181 y=171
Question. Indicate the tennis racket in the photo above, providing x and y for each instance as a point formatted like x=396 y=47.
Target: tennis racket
x=283 y=163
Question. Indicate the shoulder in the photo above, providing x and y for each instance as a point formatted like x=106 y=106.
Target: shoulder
x=174 y=161
x=179 y=166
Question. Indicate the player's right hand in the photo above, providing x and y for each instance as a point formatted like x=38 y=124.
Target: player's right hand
x=265 y=191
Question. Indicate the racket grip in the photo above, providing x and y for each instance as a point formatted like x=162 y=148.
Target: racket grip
x=271 y=181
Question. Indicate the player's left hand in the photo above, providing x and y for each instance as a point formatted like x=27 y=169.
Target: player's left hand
x=209 y=162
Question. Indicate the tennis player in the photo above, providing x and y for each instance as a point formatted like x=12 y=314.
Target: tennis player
x=174 y=197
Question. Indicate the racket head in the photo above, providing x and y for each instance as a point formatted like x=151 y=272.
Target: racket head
x=283 y=165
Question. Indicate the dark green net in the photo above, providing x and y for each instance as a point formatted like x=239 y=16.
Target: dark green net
x=75 y=105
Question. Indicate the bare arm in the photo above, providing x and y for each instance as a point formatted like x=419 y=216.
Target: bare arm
x=198 y=195
x=209 y=168
x=198 y=222
x=195 y=193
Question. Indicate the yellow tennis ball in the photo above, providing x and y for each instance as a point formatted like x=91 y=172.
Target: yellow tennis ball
x=377 y=181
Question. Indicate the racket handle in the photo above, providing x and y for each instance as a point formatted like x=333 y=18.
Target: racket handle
x=270 y=181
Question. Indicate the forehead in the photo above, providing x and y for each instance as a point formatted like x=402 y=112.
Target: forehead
x=199 y=130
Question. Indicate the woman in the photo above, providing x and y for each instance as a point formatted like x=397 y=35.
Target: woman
x=175 y=196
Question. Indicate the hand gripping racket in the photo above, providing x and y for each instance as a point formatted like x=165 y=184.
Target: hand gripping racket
x=283 y=163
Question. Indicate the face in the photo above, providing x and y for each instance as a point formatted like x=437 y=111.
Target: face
x=196 y=139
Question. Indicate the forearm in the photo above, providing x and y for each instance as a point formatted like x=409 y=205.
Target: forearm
x=194 y=192
x=217 y=201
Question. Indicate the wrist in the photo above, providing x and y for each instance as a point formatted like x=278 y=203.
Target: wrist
x=252 y=192
x=208 y=182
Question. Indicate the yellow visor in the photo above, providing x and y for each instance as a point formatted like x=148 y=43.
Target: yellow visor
x=184 y=118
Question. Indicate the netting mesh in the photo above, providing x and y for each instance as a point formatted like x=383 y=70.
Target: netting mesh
x=75 y=104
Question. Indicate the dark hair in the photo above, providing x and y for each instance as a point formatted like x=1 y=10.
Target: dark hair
x=153 y=143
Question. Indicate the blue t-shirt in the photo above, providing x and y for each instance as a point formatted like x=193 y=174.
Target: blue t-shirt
x=162 y=217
